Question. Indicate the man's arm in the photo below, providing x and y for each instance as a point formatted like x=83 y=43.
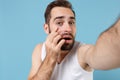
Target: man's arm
x=40 y=70
x=53 y=48
x=106 y=53
x=36 y=61
x=45 y=69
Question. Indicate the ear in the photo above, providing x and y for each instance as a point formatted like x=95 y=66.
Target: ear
x=46 y=28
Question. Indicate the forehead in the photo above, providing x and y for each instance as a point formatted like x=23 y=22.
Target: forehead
x=61 y=11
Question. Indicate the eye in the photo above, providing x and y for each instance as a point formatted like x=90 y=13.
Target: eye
x=59 y=23
x=71 y=23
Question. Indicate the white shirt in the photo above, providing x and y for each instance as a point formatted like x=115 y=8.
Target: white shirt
x=69 y=68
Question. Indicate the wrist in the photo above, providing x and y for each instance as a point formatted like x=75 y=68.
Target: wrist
x=51 y=59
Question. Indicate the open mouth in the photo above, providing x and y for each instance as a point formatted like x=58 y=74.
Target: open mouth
x=67 y=38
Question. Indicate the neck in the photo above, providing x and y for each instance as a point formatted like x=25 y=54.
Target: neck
x=62 y=56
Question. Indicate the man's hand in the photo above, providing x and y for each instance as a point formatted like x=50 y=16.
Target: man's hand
x=53 y=44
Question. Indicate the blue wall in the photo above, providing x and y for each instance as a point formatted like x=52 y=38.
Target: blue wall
x=21 y=28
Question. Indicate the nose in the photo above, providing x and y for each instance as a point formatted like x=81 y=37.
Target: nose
x=67 y=27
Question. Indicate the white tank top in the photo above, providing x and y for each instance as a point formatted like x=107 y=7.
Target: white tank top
x=69 y=68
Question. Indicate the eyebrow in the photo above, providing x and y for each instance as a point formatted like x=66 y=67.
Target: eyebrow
x=61 y=17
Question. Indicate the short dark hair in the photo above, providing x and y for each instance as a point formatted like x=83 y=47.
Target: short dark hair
x=56 y=3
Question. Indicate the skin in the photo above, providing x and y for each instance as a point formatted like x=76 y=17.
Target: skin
x=105 y=52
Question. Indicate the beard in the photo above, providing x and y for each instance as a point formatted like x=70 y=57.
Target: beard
x=68 y=46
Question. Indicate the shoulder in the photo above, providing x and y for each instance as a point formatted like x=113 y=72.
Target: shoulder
x=84 y=47
x=37 y=51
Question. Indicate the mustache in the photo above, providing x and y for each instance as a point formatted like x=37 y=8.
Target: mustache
x=66 y=33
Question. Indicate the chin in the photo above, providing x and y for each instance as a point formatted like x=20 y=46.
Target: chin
x=67 y=46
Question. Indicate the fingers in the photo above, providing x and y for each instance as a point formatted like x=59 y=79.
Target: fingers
x=53 y=44
x=57 y=39
x=60 y=44
x=54 y=41
x=52 y=35
x=55 y=29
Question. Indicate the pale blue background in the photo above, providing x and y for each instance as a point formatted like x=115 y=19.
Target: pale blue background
x=21 y=28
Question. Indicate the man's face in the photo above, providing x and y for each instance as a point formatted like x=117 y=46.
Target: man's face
x=64 y=19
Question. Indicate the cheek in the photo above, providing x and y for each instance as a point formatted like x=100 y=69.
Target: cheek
x=74 y=30
x=60 y=30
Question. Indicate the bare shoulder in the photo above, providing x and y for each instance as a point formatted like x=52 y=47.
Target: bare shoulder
x=37 y=51
x=82 y=51
x=84 y=48
x=36 y=61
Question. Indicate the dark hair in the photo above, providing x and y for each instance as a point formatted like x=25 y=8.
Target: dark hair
x=56 y=3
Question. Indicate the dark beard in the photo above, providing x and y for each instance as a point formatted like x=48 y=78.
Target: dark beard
x=66 y=46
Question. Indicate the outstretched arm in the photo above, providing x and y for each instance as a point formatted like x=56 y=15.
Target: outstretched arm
x=106 y=53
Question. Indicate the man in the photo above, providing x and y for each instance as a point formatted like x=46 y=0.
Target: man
x=60 y=57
